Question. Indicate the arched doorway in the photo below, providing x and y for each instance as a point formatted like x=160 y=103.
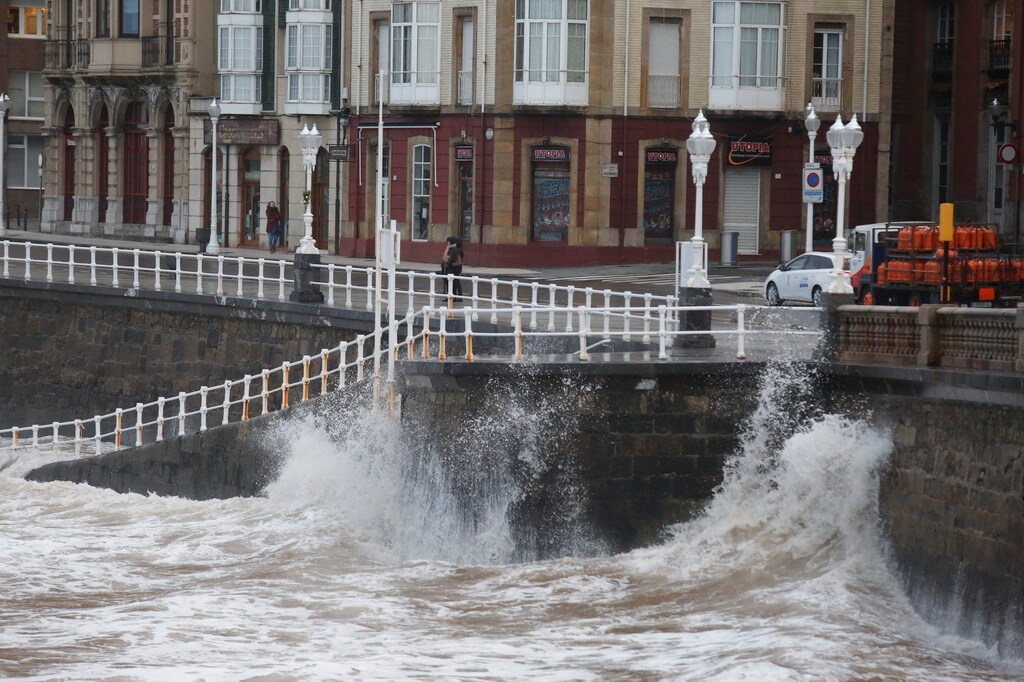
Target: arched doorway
x=168 y=169
x=249 y=182
x=102 y=163
x=135 y=168
x=69 y=164
x=284 y=159
x=320 y=198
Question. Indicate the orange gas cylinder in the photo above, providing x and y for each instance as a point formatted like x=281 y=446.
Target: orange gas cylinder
x=925 y=238
x=988 y=239
x=906 y=238
x=965 y=238
x=941 y=253
x=899 y=271
x=882 y=274
x=933 y=272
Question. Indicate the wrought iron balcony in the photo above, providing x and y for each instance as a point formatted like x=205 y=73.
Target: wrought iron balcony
x=999 y=52
x=83 y=54
x=827 y=93
x=465 y=88
x=57 y=55
x=663 y=91
x=942 y=60
x=156 y=52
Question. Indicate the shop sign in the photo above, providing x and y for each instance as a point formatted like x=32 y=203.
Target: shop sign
x=463 y=152
x=610 y=170
x=550 y=154
x=338 y=152
x=245 y=131
x=747 y=151
x=662 y=156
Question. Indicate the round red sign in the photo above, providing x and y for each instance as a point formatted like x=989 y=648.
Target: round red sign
x=1007 y=153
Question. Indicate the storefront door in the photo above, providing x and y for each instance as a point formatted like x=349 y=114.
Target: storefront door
x=551 y=185
x=742 y=209
x=249 y=181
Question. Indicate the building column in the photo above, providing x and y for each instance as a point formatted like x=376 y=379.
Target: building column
x=115 y=203
x=154 y=200
x=179 y=216
x=86 y=210
x=53 y=201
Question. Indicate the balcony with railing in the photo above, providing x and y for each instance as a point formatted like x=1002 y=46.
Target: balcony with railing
x=999 y=54
x=57 y=55
x=942 y=60
x=550 y=87
x=415 y=87
x=83 y=54
x=465 y=88
x=663 y=91
x=752 y=93
x=827 y=93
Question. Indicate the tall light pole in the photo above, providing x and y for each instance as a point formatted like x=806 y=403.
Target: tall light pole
x=342 y=137
x=700 y=146
x=843 y=140
x=309 y=143
x=5 y=104
x=812 y=123
x=214 y=246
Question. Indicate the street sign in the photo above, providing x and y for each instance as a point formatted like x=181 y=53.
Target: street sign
x=814 y=184
x=338 y=152
x=1007 y=153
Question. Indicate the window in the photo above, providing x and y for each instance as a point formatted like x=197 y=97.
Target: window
x=826 y=69
x=464 y=58
x=746 y=61
x=946 y=28
x=308 y=51
x=382 y=29
x=240 y=64
x=551 y=52
x=1002 y=20
x=23 y=161
x=26 y=93
x=27 y=19
x=323 y=5
x=421 y=191
x=663 y=64
x=130 y=18
x=240 y=6
x=415 y=29
x=102 y=18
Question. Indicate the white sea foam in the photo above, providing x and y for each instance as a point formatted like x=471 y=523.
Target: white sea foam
x=360 y=566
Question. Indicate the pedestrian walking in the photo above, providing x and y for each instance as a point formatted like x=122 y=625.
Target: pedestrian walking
x=451 y=264
x=274 y=227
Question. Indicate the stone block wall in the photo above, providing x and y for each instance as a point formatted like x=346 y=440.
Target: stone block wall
x=72 y=353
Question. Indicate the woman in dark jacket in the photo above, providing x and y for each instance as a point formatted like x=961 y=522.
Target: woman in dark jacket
x=274 y=228
x=451 y=263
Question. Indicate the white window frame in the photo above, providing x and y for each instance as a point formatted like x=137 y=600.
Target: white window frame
x=309 y=46
x=40 y=8
x=422 y=170
x=241 y=6
x=733 y=89
x=314 y=5
x=827 y=89
x=240 y=70
x=415 y=53
x=24 y=78
x=945 y=23
x=19 y=142
x=663 y=86
x=542 y=73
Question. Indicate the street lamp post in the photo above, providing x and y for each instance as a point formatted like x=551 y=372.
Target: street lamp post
x=700 y=146
x=843 y=140
x=5 y=104
x=309 y=143
x=812 y=123
x=214 y=246
x=307 y=256
x=695 y=291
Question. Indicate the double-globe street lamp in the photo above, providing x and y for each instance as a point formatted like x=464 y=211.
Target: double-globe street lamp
x=812 y=123
x=699 y=146
x=5 y=104
x=309 y=143
x=844 y=140
x=214 y=246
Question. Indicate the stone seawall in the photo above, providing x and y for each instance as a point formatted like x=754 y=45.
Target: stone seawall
x=71 y=352
x=952 y=499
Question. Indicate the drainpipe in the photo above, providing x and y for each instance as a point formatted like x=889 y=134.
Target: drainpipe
x=867 y=64
x=625 y=116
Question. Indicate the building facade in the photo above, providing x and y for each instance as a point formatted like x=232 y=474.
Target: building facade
x=119 y=75
x=21 y=65
x=540 y=131
x=957 y=72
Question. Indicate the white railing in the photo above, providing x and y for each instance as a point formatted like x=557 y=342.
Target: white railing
x=271 y=390
x=652 y=325
x=465 y=88
x=827 y=93
x=663 y=91
x=271 y=279
x=168 y=270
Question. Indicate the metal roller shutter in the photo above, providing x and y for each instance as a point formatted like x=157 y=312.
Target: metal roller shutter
x=742 y=199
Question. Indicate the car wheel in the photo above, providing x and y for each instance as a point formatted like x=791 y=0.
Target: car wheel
x=771 y=294
x=816 y=297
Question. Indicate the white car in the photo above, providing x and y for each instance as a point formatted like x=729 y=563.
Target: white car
x=801 y=279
